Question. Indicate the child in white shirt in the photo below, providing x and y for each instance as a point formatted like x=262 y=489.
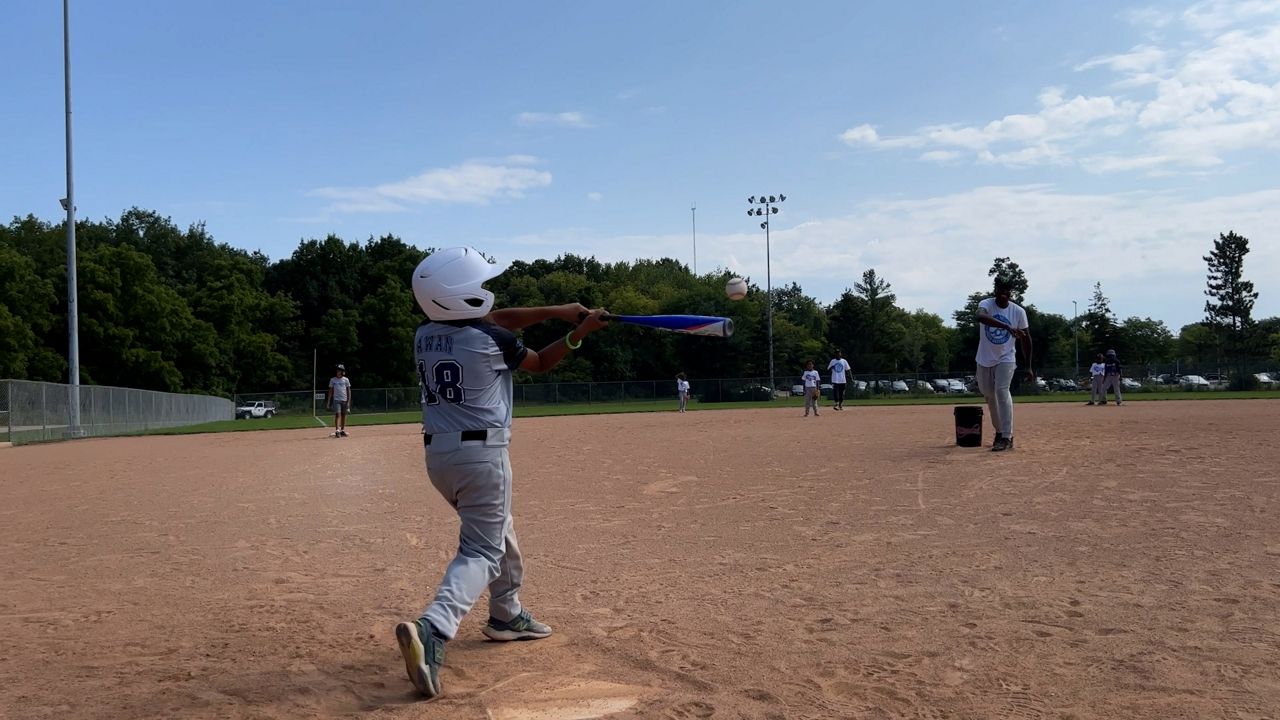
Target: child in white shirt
x=810 y=379
x=1097 y=371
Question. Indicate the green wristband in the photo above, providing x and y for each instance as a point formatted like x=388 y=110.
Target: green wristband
x=569 y=342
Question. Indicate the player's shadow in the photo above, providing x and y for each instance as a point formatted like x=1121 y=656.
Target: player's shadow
x=342 y=687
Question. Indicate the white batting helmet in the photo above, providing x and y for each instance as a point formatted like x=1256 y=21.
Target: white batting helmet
x=447 y=284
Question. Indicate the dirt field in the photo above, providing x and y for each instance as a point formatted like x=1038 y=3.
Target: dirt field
x=1120 y=563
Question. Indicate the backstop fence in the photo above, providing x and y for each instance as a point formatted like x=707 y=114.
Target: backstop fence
x=35 y=411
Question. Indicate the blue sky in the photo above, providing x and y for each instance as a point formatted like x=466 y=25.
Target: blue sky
x=1089 y=141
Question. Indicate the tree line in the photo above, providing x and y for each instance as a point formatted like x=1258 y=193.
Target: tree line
x=169 y=309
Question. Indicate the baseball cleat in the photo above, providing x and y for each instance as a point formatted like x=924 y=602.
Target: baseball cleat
x=521 y=627
x=423 y=653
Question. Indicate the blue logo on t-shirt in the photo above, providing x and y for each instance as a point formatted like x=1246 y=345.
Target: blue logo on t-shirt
x=995 y=335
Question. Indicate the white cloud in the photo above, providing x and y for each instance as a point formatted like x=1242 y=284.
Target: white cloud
x=1144 y=247
x=560 y=119
x=1215 y=15
x=595 y=196
x=940 y=156
x=1181 y=107
x=475 y=182
x=862 y=135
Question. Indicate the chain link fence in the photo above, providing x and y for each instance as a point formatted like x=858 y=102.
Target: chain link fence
x=959 y=383
x=37 y=411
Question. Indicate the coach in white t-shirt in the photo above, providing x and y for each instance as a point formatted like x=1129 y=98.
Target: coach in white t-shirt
x=1002 y=328
x=838 y=367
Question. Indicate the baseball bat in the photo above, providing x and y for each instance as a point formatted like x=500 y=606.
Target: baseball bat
x=707 y=325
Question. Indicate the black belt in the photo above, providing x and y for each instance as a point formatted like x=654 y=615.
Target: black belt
x=466 y=435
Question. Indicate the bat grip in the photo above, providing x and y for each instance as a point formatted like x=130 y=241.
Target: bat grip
x=583 y=316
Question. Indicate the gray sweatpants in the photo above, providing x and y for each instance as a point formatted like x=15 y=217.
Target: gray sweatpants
x=1097 y=395
x=1110 y=382
x=811 y=400
x=476 y=480
x=994 y=383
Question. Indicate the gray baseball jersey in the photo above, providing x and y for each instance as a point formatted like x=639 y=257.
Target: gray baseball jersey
x=464 y=368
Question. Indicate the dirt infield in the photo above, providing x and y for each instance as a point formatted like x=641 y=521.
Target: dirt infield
x=1120 y=563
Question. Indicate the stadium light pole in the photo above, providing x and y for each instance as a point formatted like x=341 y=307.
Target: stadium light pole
x=69 y=204
x=693 y=211
x=766 y=205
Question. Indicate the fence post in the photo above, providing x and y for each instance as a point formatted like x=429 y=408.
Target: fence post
x=44 y=409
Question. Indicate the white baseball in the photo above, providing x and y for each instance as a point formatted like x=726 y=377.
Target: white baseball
x=736 y=288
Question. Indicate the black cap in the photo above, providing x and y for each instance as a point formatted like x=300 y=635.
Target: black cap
x=340 y=366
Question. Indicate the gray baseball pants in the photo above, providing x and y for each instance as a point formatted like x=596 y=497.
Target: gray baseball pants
x=476 y=481
x=1110 y=382
x=811 y=400
x=993 y=383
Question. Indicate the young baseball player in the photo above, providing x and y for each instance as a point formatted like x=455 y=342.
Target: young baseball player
x=1110 y=379
x=838 y=367
x=1096 y=371
x=810 y=379
x=340 y=399
x=1000 y=322
x=466 y=353
x=682 y=391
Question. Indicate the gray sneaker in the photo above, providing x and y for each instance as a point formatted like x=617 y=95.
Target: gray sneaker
x=423 y=653
x=521 y=627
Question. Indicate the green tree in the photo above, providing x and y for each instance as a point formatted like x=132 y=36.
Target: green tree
x=1100 y=322
x=1144 y=342
x=1229 y=309
x=1006 y=268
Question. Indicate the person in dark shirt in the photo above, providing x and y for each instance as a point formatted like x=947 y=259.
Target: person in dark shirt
x=1111 y=378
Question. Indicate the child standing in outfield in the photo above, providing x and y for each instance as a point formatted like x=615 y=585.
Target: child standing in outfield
x=340 y=399
x=810 y=379
x=1111 y=379
x=682 y=391
x=1096 y=371
x=465 y=358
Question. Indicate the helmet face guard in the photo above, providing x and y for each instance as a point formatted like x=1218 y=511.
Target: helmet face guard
x=448 y=284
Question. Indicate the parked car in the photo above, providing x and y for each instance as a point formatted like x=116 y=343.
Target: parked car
x=921 y=386
x=259 y=409
x=1267 y=380
x=1216 y=379
x=956 y=387
x=1130 y=384
x=826 y=389
x=941 y=385
x=858 y=385
x=1194 y=382
x=797 y=390
x=1063 y=384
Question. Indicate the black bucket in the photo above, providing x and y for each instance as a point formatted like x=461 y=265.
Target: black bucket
x=969 y=425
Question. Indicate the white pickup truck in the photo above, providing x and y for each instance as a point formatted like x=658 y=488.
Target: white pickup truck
x=259 y=409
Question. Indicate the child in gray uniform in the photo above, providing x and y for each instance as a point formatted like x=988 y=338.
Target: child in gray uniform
x=465 y=355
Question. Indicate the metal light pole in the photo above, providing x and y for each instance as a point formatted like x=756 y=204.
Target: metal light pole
x=69 y=204
x=766 y=206
x=1075 y=331
x=693 y=210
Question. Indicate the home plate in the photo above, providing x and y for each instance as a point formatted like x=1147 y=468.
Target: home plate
x=544 y=699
